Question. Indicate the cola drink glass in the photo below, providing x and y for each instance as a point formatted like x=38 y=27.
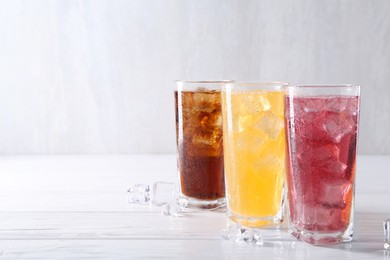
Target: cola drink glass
x=322 y=131
x=199 y=143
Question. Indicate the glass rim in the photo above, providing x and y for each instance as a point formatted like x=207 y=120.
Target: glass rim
x=257 y=83
x=203 y=81
x=248 y=86
x=324 y=86
x=323 y=90
x=200 y=85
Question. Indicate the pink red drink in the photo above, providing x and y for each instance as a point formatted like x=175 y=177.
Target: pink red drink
x=322 y=136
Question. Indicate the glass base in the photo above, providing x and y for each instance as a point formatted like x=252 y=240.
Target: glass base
x=322 y=238
x=256 y=221
x=204 y=204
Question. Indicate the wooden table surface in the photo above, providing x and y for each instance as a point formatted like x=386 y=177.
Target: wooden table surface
x=75 y=207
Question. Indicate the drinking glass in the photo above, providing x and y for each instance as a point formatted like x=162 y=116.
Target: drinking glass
x=254 y=151
x=321 y=163
x=199 y=143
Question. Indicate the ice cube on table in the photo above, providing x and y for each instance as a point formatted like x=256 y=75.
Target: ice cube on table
x=386 y=230
x=171 y=209
x=251 y=235
x=138 y=194
x=235 y=232
x=163 y=193
x=175 y=207
x=335 y=195
x=232 y=232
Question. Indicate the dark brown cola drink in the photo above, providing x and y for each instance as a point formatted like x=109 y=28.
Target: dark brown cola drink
x=199 y=146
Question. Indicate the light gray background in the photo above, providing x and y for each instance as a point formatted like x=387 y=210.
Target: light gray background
x=97 y=76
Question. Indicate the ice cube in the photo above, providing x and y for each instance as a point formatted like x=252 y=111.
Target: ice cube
x=203 y=139
x=209 y=121
x=175 y=207
x=337 y=126
x=206 y=101
x=249 y=143
x=245 y=234
x=270 y=124
x=243 y=123
x=203 y=89
x=313 y=105
x=263 y=103
x=138 y=194
x=318 y=154
x=204 y=96
x=253 y=104
x=337 y=104
x=207 y=138
x=171 y=209
x=163 y=193
x=218 y=119
x=334 y=168
x=386 y=230
x=326 y=152
x=236 y=232
x=319 y=218
x=232 y=232
x=335 y=195
x=268 y=163
x=352 y=107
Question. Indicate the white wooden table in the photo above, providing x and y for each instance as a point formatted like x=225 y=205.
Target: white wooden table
x=75 y=207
